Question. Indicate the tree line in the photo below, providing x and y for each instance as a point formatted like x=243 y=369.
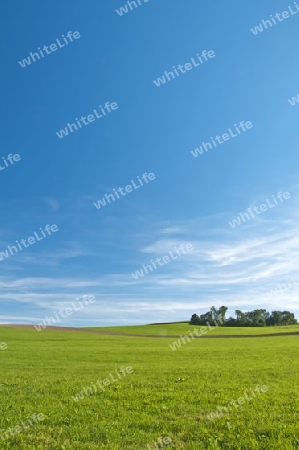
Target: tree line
x=255 y=318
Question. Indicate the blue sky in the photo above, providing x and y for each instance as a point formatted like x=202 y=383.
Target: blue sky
x=191 y=200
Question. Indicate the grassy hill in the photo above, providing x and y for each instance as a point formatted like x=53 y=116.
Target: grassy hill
x=178 y=329
x=168 y=394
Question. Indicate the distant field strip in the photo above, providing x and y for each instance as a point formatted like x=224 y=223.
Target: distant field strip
x=219 y=335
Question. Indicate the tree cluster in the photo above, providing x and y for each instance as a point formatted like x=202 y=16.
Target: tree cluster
x=255 y=318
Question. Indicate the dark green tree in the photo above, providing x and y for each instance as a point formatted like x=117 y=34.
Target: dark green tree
x=194 y=320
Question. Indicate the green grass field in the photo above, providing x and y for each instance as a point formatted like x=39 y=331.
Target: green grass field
x=169 y=393
x=178 y=329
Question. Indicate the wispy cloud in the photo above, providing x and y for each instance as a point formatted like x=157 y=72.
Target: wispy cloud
x=54 y=204
x=232 y=267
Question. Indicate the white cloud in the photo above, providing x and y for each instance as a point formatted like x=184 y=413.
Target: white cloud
x=232 y=267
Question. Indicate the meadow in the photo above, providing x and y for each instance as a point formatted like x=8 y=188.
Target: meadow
x=178 y=329
x=168 y=394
